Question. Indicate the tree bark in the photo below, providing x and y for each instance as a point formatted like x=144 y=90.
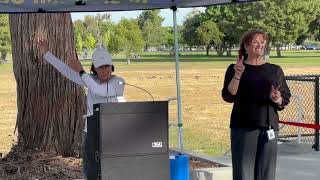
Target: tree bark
x=50 y=107
x=229 y=48
x=3 y=56
x=278 y=51
x=207 y=50
x=220 y=50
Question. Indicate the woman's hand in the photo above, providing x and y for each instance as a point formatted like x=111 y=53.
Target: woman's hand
x=43 y=46
x=275 y=95
x=239 y=68
x=234 y=83
x=75 y=64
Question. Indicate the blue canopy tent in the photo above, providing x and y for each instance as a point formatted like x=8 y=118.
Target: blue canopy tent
x=9 y=6
x=34 y=6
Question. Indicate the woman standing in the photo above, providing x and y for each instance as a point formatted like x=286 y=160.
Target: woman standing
x=102 y=85
x=258 y=90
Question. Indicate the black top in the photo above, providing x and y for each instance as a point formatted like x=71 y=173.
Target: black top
x=252 y=106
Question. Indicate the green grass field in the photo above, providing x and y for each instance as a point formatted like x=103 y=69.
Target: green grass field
x=291 y=58
x=205 y=114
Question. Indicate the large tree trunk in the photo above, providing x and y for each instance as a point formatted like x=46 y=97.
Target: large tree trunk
x=207 y=50
x=220 y=50
x=3 y=56
x=229 y=48
x=50 y=107
x=278 y=51
x=229 y=52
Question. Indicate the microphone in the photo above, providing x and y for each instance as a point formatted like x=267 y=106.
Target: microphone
x=120 y=82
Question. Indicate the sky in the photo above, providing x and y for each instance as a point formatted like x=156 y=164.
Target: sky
x=166 y=13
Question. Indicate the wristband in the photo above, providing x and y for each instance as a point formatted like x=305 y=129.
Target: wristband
x=236 y=78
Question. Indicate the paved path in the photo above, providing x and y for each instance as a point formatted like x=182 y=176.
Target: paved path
x=298 y=162
x=295 y=162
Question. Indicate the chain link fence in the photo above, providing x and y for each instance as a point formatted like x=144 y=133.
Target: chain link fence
x=303 y=108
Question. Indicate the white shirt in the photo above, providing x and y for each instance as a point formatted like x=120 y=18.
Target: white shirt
x=97 y=92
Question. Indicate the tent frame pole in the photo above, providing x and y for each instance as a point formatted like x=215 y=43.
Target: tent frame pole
x=177 y=64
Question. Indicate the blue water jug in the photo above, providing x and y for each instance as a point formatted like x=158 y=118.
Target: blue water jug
x=179 y=167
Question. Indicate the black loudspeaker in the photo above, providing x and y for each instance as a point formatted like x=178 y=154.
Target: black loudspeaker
x=128 y=141
x=92 y=147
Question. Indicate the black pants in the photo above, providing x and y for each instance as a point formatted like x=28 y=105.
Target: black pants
x=254 y=156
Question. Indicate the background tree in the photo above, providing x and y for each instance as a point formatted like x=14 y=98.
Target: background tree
x=314 y=27
x=169 y=39
x=209 y=35
x=89 y=41
x=189 y=30
x=285 y=20
x=130 y=37
x=92 y=27
x=106 y=26
x=226 y=18
x=116 y=42
x=79 y=30
x=150 y=22
x=90 y=31
x=50 y=107
x=5 y=41
x=79 y=42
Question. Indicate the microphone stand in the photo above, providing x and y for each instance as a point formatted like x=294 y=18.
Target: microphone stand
x=138 y=88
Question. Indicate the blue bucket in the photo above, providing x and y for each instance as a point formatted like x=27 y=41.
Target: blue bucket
x=179 y=167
